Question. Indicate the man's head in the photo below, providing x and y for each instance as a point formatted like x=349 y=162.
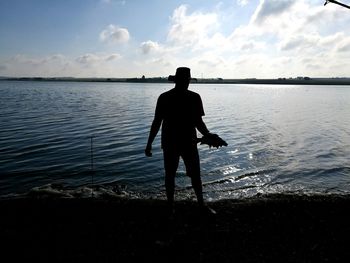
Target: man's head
x=182 y=77
x=183 y=74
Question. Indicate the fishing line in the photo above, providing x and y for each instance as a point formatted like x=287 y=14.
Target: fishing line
x=92 y=165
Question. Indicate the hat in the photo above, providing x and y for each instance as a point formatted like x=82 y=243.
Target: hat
x=182 y=73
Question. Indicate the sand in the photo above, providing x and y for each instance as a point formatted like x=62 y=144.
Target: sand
x=282 y=228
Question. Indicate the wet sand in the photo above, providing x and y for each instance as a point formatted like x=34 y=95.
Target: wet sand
x=282 y=228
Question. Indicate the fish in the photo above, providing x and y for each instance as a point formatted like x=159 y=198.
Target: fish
x=213 y=140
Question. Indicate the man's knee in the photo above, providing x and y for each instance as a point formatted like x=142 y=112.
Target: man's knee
x=196 y=178
x=170 y=176
x=193 y=170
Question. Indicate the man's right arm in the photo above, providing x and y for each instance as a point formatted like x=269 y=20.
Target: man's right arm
x=157 y=122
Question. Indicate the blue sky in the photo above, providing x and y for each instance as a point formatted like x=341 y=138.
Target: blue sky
x=128 y=38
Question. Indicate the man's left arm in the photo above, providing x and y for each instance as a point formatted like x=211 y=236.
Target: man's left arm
x=201 y=127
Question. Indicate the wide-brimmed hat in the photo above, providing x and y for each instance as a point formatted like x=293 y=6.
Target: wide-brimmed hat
x=182 y=73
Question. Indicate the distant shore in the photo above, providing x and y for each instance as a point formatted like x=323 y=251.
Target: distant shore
x=275 y=228
x=279 y=81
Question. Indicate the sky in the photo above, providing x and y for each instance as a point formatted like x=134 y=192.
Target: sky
x=216 y=39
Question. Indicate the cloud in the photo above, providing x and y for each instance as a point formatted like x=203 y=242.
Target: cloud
x=191 y=30
x=343 y=46
x=149 y=46
x=279 y=39
x=22 y=65
x=112 y=57
x=299 y=27
x=252 y=46
x=85 y=65
x=90 y=59
x=161 y=61
x=292 y=43
x=20 y=59
x=242 y=2
x=87 y=59
x=119 y=2
x=115 y=34
x=276 y=38
x=298 y=42
x=268 y=8
x=332 y=40
x=212 y=62
x=3 y=67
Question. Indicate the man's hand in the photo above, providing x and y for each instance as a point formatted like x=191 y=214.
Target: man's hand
x=148 y=151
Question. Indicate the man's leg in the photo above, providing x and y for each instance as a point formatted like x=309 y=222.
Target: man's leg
x=198 y=189
x=171 y=162
x=191 y=160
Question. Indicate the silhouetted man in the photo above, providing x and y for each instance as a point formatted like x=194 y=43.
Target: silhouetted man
x=179 y=112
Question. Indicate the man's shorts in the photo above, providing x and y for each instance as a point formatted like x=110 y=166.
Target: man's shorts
x=189 y=155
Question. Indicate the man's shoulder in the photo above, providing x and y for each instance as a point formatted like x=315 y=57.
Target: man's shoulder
x=165 y=95
x=192 y=93
x=193 y=96
x=170 y=94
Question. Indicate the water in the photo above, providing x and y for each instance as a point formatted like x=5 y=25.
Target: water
x=282 y=139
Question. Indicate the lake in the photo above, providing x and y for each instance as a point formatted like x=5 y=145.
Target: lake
x=68 y=137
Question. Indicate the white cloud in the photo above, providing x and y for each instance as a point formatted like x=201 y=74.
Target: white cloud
x=242 y=2
x=86 y=65
x=295 y=31
x=273 y=43
x=280 y=39
x=298 y=42
x=56 y=59
x=115 y=34
x=343 y=46
x=112 y=57
x=212 y=62
x=191 y=30
x=90 y=59
x=149 y=46
x=248 y=46
x=160 y=61
x=22 y=65
x=268 y=8
x=331 y=40
x=120 y=2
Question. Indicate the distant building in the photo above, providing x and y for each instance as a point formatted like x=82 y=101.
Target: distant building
x=303 y=78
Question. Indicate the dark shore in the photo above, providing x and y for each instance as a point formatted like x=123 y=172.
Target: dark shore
x=281 y=228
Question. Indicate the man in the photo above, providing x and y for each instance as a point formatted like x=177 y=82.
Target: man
x=179 y=112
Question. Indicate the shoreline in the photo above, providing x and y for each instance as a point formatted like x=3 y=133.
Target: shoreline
x=281 y=227
x=279 y=81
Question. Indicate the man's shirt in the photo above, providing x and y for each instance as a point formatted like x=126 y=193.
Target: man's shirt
x=179 y=111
